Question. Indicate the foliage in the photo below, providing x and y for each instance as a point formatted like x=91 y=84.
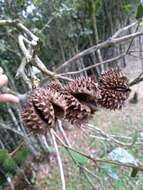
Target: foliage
x=139 y=13
x=9 y=164
x=78 y=158
x=21 y=156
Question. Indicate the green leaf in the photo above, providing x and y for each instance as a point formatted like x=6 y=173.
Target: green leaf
x=9 y=165
x=20 y=2
x=139 y=13
x=3 y=155
x=77 y=157
x=97 y=5
x=134 y=172
x=22 y=155
x=37 y=2
x=127 y=8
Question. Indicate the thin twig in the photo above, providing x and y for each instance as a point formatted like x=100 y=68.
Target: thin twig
x=95 y=65
x=87 y=178
x=107 y=137
x=135 y=56
x=124 y=29
x=107 y=43
x=137 y=28
x=98 y=160
x=138 y=79
x=21 y=144
x=40 y=65
x=17 y=148
x=29 y=53
x=25 y=51
x=82 y=168
x=59 y=160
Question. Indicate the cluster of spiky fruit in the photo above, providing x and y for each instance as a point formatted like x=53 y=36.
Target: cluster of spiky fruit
x=76 y=102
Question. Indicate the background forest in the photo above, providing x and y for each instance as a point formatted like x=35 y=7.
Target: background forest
x=68 y=31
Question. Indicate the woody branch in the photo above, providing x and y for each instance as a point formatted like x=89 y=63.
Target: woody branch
x=28 y=43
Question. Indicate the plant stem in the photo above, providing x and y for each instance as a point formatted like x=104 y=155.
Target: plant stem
x=59 y=160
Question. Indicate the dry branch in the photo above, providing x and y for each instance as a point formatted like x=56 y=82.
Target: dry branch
x=95 y=65
x=108 y=43
x=138 y=167
x=59 y=160
x=120 y=31
x=29 y=53
x=32 y=42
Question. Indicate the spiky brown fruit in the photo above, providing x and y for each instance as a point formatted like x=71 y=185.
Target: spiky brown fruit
x=32 y=120
x=43 y=106
x=56 y=85
x=75 y=112
x=114 y=88
x=86 y=91
x=38 y=113
x=68 y=107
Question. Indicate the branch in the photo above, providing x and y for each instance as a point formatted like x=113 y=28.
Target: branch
x=5 y=127
x=25 y=51
x=98 y=160
x=82 y=168
x=124 y=29
x=137 y=80
x=95 y=65
x=40 y=65
x=59 y=160
x=21 y=73
x=100 y=134
x=18 y=25
x=22 y=143
x=110 y=42
x=32 y=42
x=29 y=53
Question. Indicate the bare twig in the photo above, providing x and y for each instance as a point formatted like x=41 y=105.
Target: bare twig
x=17 y=148
x=40 y=65
x=21 y=73
x=110 y=42
x=138 y=79
x=47 y=24
x=95 y=65
x=82 y=168
x=32 y=42
x=138 y=57
x=120 y=31
x=17 y=24
x=59 y=160
x=98 y=160
x=25 y=51
x=100 y=134
x=87 y=178
x=28 y=43
x=131 y=42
